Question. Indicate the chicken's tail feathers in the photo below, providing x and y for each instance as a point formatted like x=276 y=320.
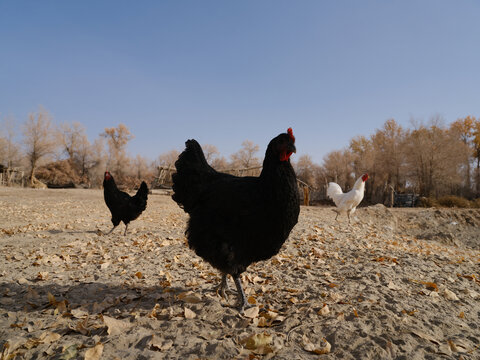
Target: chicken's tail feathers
x=192 y=171
x=141 y=197
x=333 y=191
x=143 y=190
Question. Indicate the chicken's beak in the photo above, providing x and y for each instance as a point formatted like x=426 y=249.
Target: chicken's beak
x=292 y=148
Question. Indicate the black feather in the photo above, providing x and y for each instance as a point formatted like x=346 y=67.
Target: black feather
x=124 y=207
x=235 y=221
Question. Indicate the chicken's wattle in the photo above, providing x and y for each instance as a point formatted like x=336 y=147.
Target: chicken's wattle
x=285 y=156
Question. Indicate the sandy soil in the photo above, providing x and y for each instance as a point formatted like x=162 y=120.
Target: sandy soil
x=396 y=284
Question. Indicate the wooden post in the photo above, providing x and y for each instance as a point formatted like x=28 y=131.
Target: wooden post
x=392 y=196
x=306 y=196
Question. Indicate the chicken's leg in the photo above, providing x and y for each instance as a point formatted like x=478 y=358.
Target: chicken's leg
x=241 y=295
x=337 y=213
x=223 y=286
x=114 y=226
x=126 y=227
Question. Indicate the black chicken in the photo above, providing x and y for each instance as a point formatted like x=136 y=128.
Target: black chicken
x=235 y=221
x=123 y=206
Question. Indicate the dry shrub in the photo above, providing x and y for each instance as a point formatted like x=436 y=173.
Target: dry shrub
x=59 y=173
x=132 y=183
x=428 y=202
x=475 y=203
x=453 y=201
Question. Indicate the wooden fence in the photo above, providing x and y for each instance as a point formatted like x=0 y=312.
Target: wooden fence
x=163 y=180
x=11 y=176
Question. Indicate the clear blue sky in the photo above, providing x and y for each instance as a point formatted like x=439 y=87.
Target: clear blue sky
x=226 y=71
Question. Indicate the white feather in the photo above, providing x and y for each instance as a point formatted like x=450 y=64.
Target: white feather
x=346 y=202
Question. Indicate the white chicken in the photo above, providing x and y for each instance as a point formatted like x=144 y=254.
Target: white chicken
x=347 y=202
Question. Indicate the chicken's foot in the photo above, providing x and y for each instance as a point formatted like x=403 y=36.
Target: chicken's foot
x=111 y=230
x=335 y=210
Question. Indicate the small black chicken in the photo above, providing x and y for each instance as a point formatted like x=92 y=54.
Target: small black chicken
x=123 y=206
x=235 y=221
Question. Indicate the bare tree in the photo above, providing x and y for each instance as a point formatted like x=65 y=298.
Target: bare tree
x=389 y=160
x=72 y=137
x=85 y=156
x=245 y=157
x=3 y=147
x=141 y=168
x=464 y=130
x=476 y=152
x=433 y=158
x=117 y=140
x=306 y=170
x=338 y=167
x=9 y=150
x=39 y=139
x=219 y=163
x=93 y=160
x=168 y=159
x=387 y=144
x=210 y=152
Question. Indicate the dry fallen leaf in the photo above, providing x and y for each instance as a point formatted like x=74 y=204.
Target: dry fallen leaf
x=324 y=310
x=189 y=297
x=252 y=312
x=262 y=322
x=430 y=286
x=42 y=275
x=81 y=327
x=257 y=279
x=155 y=311
x=79 y=314
x=269 y=319
x=94 y=353
x=189 y=314
x=69 y=352
x=114 y=326
x=323 y=348
x=450 y=295
x=159 y=344
x=392 y=286
x=51 y=299
x=411 y=312
x=453 y=347
x=260 y=344
x=48 y=337
x=61 y=307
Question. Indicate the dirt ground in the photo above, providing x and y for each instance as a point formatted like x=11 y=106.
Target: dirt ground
x=395 y=284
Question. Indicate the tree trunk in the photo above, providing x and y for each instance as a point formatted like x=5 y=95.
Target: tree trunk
x=477 y=182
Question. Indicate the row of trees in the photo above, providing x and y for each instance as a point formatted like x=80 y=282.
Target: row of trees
x=62 y=154
x=429 y=159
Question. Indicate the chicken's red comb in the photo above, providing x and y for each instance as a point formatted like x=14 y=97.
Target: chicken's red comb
x=290 y=134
